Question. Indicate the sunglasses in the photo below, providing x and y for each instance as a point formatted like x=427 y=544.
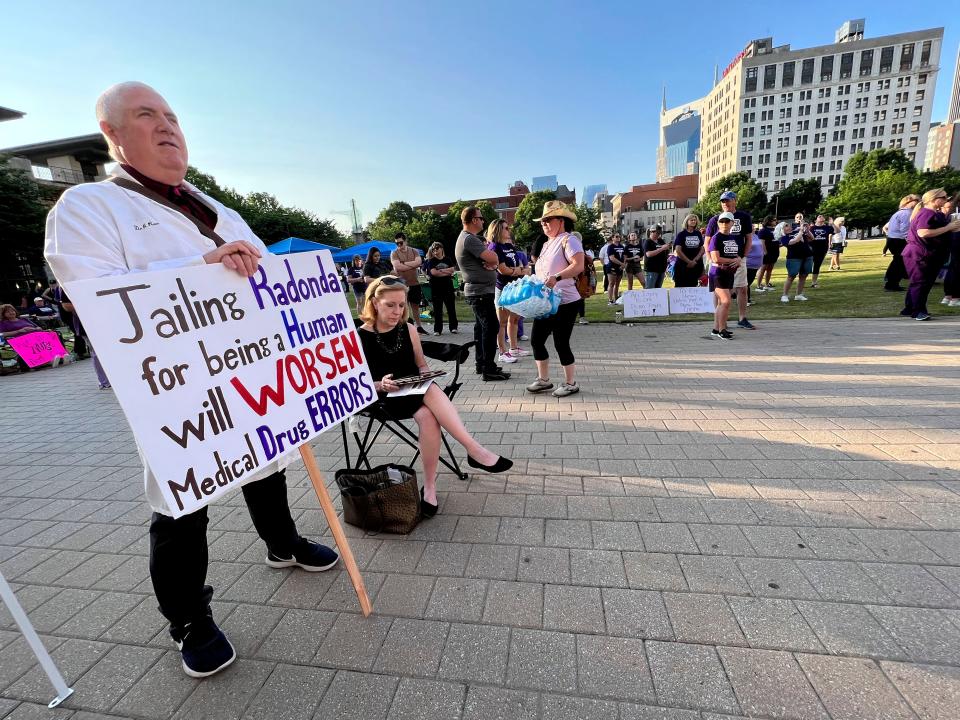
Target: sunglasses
x=390 y=280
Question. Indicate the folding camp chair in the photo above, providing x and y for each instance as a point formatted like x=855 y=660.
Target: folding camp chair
x=376 y=417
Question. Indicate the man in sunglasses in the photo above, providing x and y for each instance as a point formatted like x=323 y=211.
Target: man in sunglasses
x=405 y=261
x=478 y=265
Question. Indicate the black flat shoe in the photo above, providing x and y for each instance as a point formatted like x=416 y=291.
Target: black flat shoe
x=426 y=508
x=501 y=465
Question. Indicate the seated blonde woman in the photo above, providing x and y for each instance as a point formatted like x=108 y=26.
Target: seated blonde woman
x=392 y=351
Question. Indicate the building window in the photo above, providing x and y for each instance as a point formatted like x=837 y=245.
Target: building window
x=846 y=65
x=918 y=111
x=925 y=53
x=922 y=79
x=806 y=71
x=919 y=95
x=866 y=62
x=886 y=59
x=906 y=56
x=769 y=77
x=752 y=79
x=788 y=70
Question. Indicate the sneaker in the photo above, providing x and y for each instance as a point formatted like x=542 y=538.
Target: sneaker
x=760 y=289
x=770 y=287
x=308 y=555
x=945 y=301
x=610 y=303
x=519 y=352
x=566 y=389
x=954 y=303
x=454 y=331
x=438 y=332
x=815 y=285
x=726 y=335
x=746 y=325
x=715 y=334
x=204 y=649
x=507 y=358
x=749 y=303
x=801 y=298
x=523 y=337
x=539 y=385
x=923 y=316
x=496 y=374
x=421 y=330
x=56 y=361
x=583 y=321
x=784 y=298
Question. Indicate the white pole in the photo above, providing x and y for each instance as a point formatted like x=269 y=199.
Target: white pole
x=30 y=635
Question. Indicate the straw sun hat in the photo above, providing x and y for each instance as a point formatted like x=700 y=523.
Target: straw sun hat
x=556 y=208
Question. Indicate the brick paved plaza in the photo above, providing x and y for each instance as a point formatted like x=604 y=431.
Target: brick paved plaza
x=763 y=528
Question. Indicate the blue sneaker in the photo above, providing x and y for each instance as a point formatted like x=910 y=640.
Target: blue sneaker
x=204 y=649
x=746 y=324
x=309 y=556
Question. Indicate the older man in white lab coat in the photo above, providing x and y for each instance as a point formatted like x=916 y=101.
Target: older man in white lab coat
x=147 y=218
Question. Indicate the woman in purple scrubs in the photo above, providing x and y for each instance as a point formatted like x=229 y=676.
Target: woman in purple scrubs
x=927 y=247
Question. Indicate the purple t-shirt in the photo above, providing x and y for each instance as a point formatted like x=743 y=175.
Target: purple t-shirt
x=928 y=219
x=554 y=259
x=729 y=246
x=18 y=324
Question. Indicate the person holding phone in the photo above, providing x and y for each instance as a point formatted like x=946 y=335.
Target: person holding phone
x=799 y=258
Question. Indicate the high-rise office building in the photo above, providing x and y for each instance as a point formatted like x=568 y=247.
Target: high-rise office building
x=544 y=182
x=679 y=150
x=783 y=115
x=953 y=114
x=590 y=193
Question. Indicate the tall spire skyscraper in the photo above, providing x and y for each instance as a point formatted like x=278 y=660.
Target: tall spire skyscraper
x=953 y=114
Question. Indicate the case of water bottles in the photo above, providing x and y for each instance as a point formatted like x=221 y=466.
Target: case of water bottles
x=529 y=298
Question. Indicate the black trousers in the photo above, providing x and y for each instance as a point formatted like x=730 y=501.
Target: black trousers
x=443 y=297
x=178 y=548
x=485 y=330
x=560 y=325
x=951 y=284
x=79 y=341
x=896 y=270
x=819 y=253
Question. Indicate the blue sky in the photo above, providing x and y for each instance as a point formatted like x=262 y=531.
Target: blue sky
x=321 y=102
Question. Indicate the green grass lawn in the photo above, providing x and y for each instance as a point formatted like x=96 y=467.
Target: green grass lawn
x=855 y=291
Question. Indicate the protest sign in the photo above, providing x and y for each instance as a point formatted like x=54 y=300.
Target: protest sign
x=690 y=300
x=37 y=348
x=645 y=303
x=221 y=375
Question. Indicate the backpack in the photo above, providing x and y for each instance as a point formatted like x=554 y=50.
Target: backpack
x=586 y=281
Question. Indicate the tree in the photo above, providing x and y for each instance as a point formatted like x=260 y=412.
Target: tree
x=23 y=211
x=587 y=224
x=425 y=229
x=946 y=177
x=270 y=220
x=803 y=196
x=750 y=196
x=869 y=201
x=525 y=230
x=392 y=219
x=867 y=164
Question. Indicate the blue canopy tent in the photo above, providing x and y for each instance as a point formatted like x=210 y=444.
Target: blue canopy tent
x=346 y=255
x=296 y=245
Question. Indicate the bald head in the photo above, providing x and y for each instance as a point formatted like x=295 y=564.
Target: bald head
x=142 y=131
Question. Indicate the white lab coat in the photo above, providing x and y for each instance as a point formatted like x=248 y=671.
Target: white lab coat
x=101 y=229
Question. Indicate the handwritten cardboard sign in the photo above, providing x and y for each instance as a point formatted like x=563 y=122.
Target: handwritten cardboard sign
x=645 y=303
x=37 y=348
x=220 y=375
x=690 y=300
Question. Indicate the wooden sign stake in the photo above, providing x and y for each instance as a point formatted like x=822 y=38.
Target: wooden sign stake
x=316 y=477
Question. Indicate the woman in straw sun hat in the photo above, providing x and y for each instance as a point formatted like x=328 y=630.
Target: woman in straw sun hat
x=558 y=265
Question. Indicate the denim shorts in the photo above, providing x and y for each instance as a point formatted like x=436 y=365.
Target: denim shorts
x=797 y=266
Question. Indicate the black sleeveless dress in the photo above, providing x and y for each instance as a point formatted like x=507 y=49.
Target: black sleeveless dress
x=391 y=353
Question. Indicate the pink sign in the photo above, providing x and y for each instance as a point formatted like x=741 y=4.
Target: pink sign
x=38 y=348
